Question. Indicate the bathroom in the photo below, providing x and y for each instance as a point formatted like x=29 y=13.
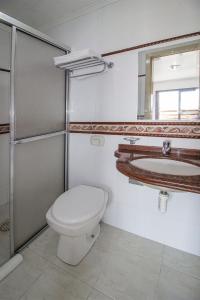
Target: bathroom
x=60 y=133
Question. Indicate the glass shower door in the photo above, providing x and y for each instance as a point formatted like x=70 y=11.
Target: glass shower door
x=39 y=180
x=5 y=44
x=39 y=158
x=39 y=88
x=4 y=199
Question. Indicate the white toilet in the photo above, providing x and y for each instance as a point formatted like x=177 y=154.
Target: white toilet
x=75 y=215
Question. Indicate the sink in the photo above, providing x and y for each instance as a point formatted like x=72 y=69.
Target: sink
x=179 y=171
x=166 y=166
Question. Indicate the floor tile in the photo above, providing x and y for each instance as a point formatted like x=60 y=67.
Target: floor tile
x=90 y=267
x=117 y=241
x=120 y=266
x=46 y=244
x=20 y=280
x=149 y=249
x=182 y=261
x=174 y=285
x=88 y=270
x=124 y=277
x=55 y=284
x=96 y=295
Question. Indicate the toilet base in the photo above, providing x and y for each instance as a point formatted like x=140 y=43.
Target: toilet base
x=71 y=250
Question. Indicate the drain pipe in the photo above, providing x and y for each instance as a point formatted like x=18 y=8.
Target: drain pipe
x=162 y=201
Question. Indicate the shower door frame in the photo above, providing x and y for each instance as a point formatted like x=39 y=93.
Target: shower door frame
x=15 y=26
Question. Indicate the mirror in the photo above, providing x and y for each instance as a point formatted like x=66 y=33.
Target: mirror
x=169 y=81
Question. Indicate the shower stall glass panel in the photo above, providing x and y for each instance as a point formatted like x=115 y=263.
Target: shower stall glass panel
x=39 y=88
x=38 y=156
x=39 y=180
x=4 y=97
x=4 y=199
x=5 y=46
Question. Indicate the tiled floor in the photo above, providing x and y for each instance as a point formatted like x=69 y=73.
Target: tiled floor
x=120 y=266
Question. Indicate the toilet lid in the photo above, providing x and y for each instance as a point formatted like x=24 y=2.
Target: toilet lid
x=79 y=204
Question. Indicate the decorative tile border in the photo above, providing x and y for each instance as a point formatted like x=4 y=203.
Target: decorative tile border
x=4 y=128
x=159 y=129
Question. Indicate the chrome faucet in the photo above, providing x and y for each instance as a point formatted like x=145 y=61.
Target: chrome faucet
x=131 y=140
x=166 y=148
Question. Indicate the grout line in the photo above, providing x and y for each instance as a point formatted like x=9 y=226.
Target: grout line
x=100 y=291
x=28 y=288
x=183 y=272
x=63 y=269
x=95 y=289
x=159 y=275
x=174 y=268
x=162 y=258
x=93 y=286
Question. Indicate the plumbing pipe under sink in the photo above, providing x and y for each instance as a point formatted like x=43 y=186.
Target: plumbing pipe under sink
x=162 y=201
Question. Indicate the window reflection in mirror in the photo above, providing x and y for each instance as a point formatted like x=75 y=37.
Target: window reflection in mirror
x=171 y=82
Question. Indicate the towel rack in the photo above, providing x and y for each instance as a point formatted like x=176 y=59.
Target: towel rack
x=88 y=62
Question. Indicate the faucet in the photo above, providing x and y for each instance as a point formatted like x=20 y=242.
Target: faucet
x=166 y=148
x=131 y=140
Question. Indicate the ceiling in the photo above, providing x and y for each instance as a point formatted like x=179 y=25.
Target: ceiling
x=43 y=14
x=186 y=66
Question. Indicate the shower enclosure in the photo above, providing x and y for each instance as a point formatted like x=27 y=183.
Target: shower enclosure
x=33 y=139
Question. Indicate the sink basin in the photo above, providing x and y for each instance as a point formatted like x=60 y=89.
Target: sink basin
x=166 y=166
x=145 y=165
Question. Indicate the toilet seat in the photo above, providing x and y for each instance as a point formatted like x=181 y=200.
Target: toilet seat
x=78 y=205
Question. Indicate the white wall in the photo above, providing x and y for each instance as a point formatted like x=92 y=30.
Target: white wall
x=130 y=22
x=135 y=208
x=113 y=97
